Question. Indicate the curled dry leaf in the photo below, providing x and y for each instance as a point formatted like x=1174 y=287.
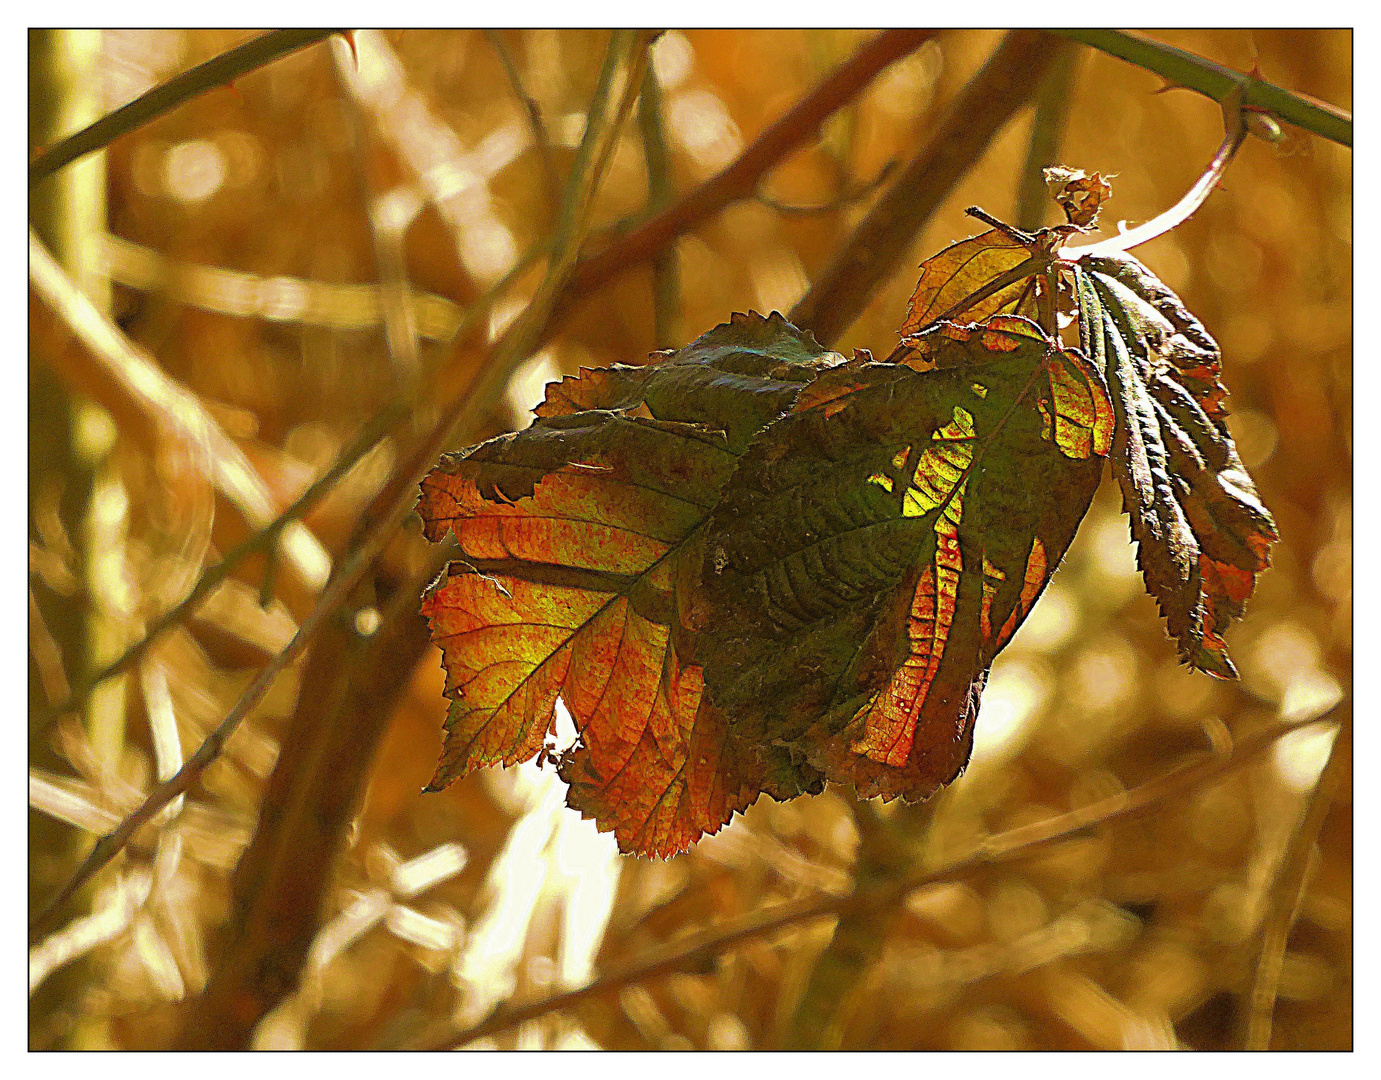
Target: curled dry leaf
x=1080 y=195
x=1202 y=533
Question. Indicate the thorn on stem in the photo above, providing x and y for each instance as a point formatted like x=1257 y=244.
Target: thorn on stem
x=349 y=36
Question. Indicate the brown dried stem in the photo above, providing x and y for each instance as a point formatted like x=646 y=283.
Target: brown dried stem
x=351 y=682
x=150 y=404
x=46 y=654
x=1288 y=890
x=740 y=178
x=1008 y=847
x=880 y=243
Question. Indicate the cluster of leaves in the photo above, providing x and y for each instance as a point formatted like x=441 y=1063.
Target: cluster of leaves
x=756 y=565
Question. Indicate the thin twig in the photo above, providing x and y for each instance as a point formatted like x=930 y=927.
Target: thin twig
x=122 y=377
x=661 y=192
x=740 y=178
x=387 y=236
x=879 y=244
x=261 y=542
x=525 y=335
x=533 y=112
x=1287 y=892
x=854 y=193
x=1217 y=82
x=1003 y=848
x=1053 y=103
x=217 y=71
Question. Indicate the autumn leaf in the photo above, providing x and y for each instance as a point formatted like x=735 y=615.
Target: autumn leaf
x=964 y=269
x=875 y=549
x=1202 y=533
x=754 y=566
x=571 y=533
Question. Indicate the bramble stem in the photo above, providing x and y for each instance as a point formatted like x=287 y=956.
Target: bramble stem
x=1176 y=215
x=1217 y=82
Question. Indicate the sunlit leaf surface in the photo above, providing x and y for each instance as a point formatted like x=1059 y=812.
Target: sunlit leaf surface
x=755 y=566
x=962 y=269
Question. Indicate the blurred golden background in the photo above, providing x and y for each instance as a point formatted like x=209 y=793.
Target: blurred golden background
x=354 y=225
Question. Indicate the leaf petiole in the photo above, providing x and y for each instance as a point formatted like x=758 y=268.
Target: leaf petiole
x=1193 y=199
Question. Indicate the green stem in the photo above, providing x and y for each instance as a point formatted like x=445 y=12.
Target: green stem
x=832 y=994
x=661 y=191
x=604 y=119
x=1053 y=102
x=536 y=125
x=1216 y=81
x=217 y=71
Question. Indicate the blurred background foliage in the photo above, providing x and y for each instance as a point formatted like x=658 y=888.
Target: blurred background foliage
x=254 y=243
